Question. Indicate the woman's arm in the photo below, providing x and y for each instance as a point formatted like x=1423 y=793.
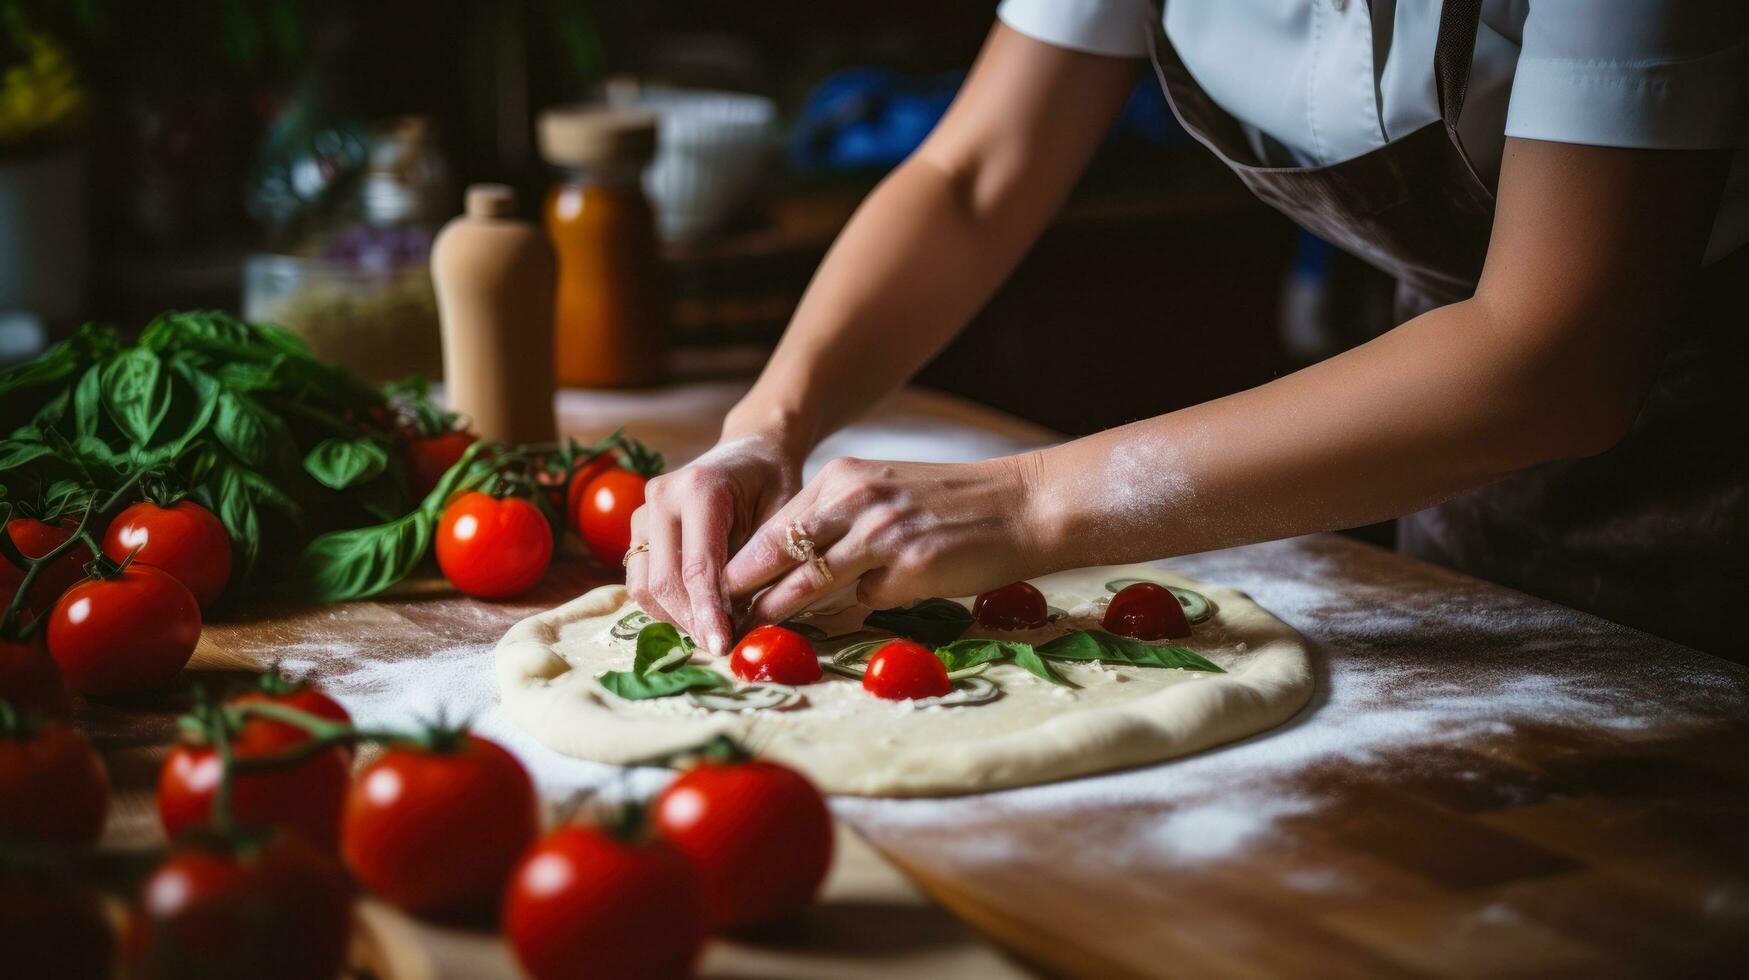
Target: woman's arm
x=922 y=253
x=1593 y=254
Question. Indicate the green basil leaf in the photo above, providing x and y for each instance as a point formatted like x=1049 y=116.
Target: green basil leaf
x=1111 y=648
x=206 y=399
x=1028 y=658
x=932 y=622
x=663 y=683
x=363 y=561
x=660 y=647
x=137 y=392
x=16 y=454
x=250 y=432
x=341 y=463
x=466 y=469
x=88 y=401
x=236 y=510
x=962 y=654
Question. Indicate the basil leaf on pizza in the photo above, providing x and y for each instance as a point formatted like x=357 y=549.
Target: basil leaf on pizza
x=661 y=646
x=932 y=622
x=662 y=683
x=965 y=654
x=1085 y=645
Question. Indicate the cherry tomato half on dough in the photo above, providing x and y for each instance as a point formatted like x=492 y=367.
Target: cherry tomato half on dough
x=278 y=908
x=52 y=784
x=1017 y=606
x=436 y=830
x=904 y=671
x=582 y=903
x=126 y=634
x=35 y=539
x=184 y=539
x=759 y=834
x=775 y=654
x=1147 y=612
x=304 y=798
x=493 y=548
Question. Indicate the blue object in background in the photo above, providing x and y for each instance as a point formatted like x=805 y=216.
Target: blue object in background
x=874 y=118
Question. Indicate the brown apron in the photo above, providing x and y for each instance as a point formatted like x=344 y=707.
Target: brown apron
x=1653 y=533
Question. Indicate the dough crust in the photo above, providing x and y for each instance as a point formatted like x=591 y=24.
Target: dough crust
x=850 y=742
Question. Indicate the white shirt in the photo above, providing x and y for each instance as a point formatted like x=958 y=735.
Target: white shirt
x=1316 y=82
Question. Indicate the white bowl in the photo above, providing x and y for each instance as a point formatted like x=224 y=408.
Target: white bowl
x=711 y=148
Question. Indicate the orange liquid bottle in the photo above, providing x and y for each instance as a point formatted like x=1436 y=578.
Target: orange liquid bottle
x=609 y=314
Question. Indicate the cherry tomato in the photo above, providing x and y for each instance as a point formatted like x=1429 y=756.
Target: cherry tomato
x=437 y=831
x=493 y=548
x=35 y=539
x=604 y=513
x=430 y=457
x=904 y=671
x=775 y=654
x=1147 y=612
x=583 y=904
x=274 y=910
x=304 y=799
x=758 y=833
x=52 y=784
x=52 y=927
x=580 y=478
x=29 y=679
x=303 y=697
x=126 y=634
x=1018 y=606
x=184 y=539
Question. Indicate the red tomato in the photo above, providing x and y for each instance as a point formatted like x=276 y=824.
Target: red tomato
x=776 y=654
x=580 y=479
x=493 y=548
x=758 y=833
x=604 y=513
x=304 y=799
x=35 y=539
x=278 y=910
x=29 y=679
x=184 y=539
x=303 y=697
x=1147 y=612
x=582 y=904
x=904 y=671
x=430 y=457
x=52 y=785
x=437 y=832
x=1018 y=606
x=126 y=634
x=54 y=928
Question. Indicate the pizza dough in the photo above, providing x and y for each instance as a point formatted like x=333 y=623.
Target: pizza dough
x=849 y=741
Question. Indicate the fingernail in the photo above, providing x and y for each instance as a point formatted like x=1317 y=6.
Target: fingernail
x=719 y=644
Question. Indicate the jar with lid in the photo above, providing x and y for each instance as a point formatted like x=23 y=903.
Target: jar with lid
x=609 y=317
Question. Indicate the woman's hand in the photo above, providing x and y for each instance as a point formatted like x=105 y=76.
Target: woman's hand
x=897 y=531
x=694 y=517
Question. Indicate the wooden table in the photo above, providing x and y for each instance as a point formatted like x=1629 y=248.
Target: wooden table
x=1484 y=782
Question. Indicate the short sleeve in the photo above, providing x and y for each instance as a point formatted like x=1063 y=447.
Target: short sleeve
x=1634 y=73
x=1110 y=27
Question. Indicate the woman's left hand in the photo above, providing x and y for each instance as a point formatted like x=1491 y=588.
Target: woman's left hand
x=898 y=531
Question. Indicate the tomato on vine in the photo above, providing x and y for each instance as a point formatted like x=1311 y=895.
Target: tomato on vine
x=273 y=908
x=129 y=632
x=275 y=688
x=775 y=654
x=1147 y=612
x=427 y=458
x=183 y=539
x=584 y=903
x=905 y=671
x=1017 y=606
x=602 y=511
x=435 y=825
x=35 y=539
x=53 y=786
x=493 y=548
x=759 y=835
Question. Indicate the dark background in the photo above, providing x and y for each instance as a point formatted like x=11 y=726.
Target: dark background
x=1161 y=285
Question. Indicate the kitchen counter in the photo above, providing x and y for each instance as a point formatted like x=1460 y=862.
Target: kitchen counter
x=1483 y=781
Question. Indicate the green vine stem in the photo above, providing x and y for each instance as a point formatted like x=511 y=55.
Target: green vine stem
x=80 y=535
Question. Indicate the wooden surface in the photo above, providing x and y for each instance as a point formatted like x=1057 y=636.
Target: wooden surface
x=1483 y=782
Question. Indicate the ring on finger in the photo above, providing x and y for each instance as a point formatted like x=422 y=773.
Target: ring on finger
x=632 y=552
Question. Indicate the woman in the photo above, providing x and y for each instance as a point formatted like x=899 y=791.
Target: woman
x=1560 y=188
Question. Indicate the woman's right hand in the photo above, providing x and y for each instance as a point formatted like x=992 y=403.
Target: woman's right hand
x=695 y=517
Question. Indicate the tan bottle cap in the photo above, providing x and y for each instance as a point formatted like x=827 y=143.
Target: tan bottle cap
x=585 y=136
x=491 y=201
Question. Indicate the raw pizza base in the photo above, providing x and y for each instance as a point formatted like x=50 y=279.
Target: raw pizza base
x=849 y=741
